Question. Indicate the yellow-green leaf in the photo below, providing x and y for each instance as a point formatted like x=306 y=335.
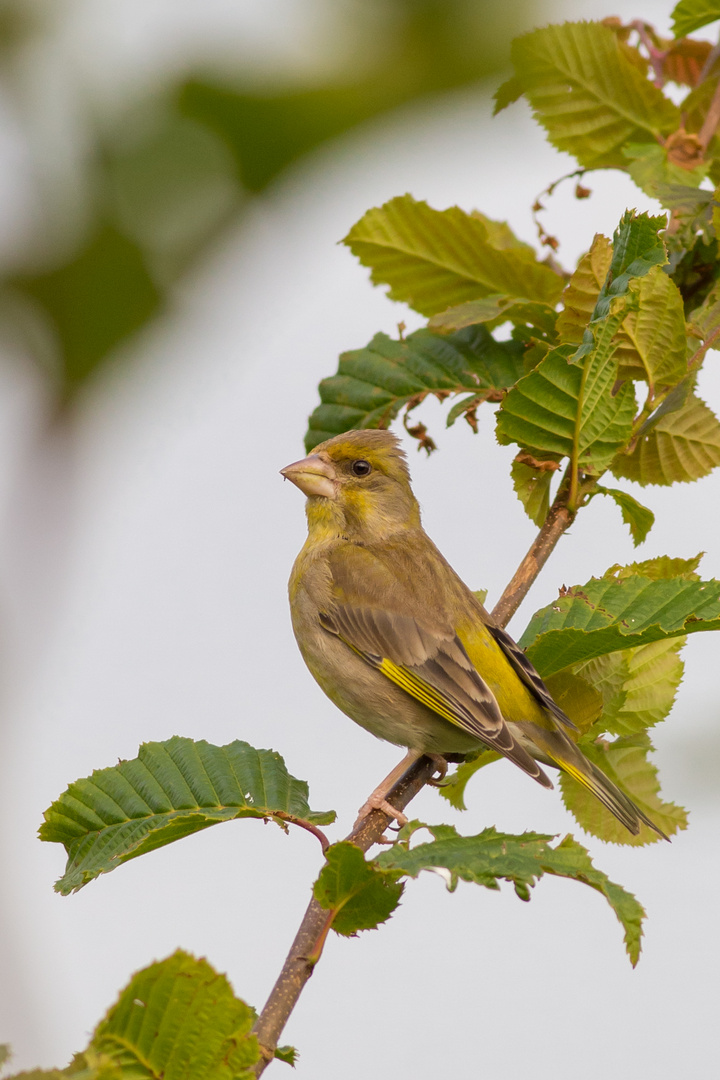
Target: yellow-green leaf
x=683 y=445
x=435 y=259
x=626 y=762
x=532 y=487
x=589 y=97
x=583 y=289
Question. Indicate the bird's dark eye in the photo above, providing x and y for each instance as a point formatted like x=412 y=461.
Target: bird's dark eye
x=361 y=467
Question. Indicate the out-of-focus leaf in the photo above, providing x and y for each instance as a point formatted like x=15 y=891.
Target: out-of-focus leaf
x=178 y=1019
x=490 y=857
x=682 y=445
x=373 y=384
x=172 y=789
x=360 y=894
x=435 y=259
x=93 y=302
x=637 y=517
x=626 y=762
x=288 y=1054
x=684 y=61
x=691 y=15
x=607 y=614
x=653 y=167
x=589 y=97
x=394 y=53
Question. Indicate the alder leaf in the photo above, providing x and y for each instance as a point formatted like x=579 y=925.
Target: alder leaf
x=625 y=762
x=582 y=290
x=532 y=487
x=681 y=445
x=177 y=1019
x=170 y=790
x=494 y=310
x=638 y=686
x=491 y=857
x=434 y=259
x=360 y=894
x=547 y=409
x=607 y=614
x=373 y=384
x=591 y=100
x=637 y=517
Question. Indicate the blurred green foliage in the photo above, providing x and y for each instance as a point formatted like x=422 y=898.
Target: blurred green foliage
x=166 y=175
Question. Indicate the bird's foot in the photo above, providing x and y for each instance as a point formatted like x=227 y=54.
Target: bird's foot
x=378 y=801
x=441 y=768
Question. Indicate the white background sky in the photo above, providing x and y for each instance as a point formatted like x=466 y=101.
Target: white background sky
x=143 y=568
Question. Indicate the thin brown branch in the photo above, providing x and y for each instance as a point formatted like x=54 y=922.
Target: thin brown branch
x=303 y=954
x=558 y=520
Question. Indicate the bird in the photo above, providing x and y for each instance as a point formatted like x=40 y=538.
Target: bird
x=401 y=645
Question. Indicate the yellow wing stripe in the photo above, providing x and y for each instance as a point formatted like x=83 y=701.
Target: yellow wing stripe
x=419 y=689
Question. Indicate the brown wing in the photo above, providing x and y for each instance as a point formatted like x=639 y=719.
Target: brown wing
x=420 y=653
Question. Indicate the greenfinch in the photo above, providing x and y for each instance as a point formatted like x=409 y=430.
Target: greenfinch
x=400 y=644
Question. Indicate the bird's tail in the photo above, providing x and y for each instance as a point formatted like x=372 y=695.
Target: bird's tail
x=559 y=750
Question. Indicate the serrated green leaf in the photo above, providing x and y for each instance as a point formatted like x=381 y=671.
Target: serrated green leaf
x=638 y=686
x=636 y=250
x=490 y=857
x=494 y=310
x=532 y=487
x=626 y=762
x=589 y=97
x=637 y=517
x=680 y=446
x=654 y=345
x=544 y=409
x=571 y=859
x=435 y=259
x=373 y=384
x=659 y=568
x=690 y=15
x=608 y=614
x=178 y=1019
x=360 y=894
x=172 y=789
x=583 y=289
x=288 y=1054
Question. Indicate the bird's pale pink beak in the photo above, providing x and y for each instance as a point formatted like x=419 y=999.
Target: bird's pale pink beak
x=313 y=475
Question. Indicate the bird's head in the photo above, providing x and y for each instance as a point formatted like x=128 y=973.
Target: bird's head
x=358 y=485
